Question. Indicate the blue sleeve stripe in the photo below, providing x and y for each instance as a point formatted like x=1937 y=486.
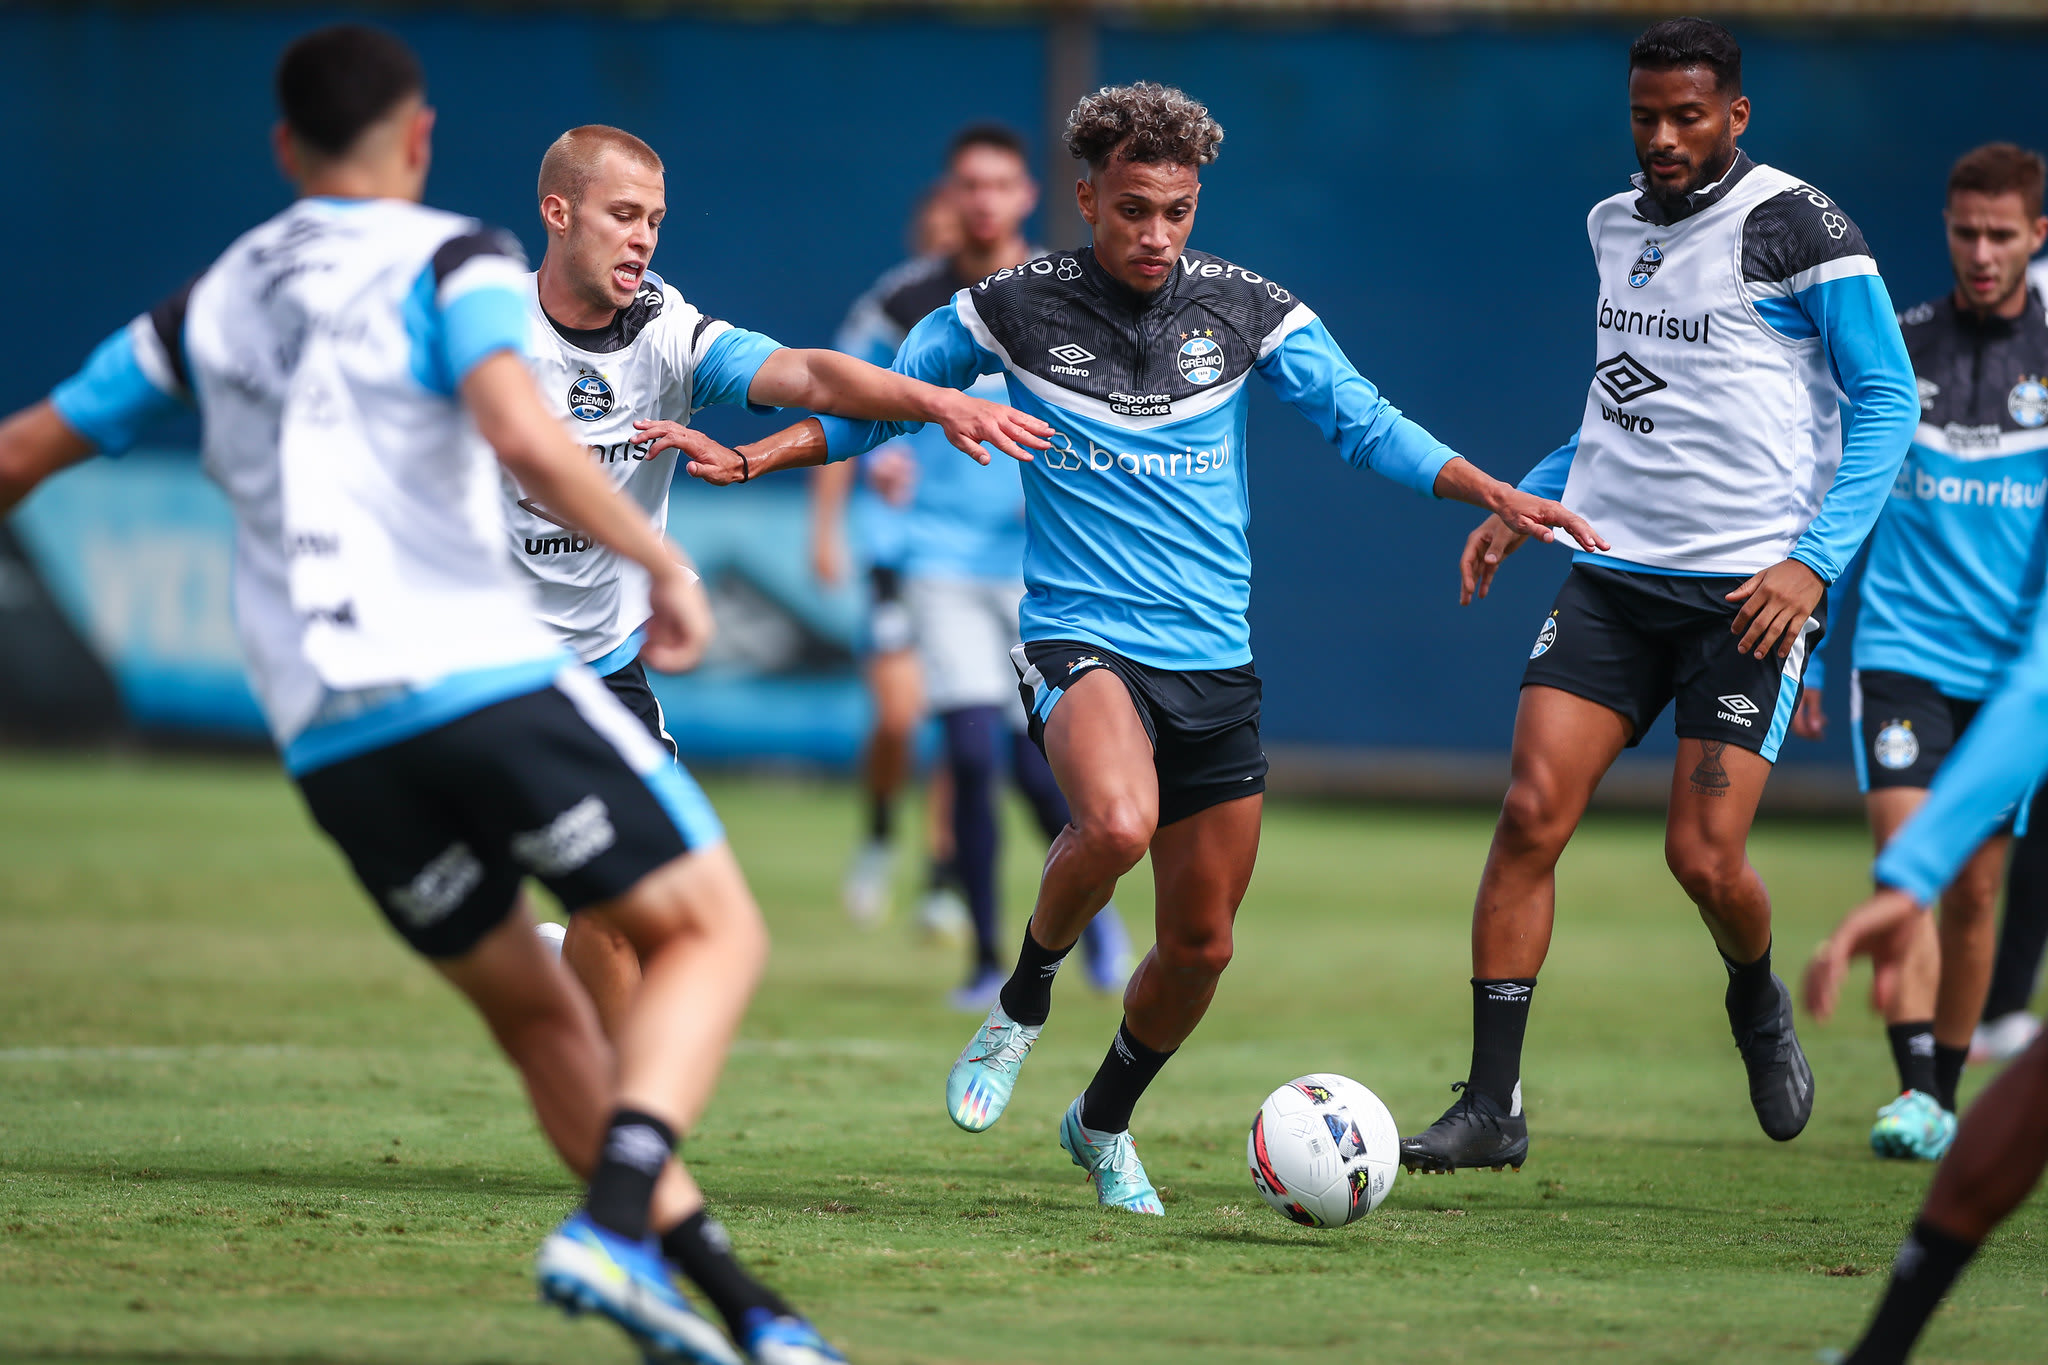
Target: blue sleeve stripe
x=112 y=398
x=479 y=324
x=725 y=373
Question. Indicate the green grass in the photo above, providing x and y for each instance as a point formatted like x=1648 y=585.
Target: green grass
x=239 y=1123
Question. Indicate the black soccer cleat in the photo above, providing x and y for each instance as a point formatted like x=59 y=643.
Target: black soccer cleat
x=1780 y=1081
x=1473 y=1132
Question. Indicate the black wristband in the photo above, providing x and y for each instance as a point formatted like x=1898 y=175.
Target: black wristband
x=745 y=472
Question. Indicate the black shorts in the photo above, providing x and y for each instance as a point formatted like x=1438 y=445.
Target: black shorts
x=889 y=629
x=1905 y=727
x=562 y=784
x=629 y=685
x=1634 y=642
x=1203 y=724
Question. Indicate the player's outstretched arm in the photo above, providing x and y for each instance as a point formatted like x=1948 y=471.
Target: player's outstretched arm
x=826 y=381
x=551 y=467
x=34 y=444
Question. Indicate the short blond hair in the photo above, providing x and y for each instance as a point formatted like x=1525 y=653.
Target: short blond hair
x=572 y=159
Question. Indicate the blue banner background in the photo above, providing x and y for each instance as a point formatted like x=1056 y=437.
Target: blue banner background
x=1425 y=191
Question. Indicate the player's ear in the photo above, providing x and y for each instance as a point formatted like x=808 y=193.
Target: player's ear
x=2040 y=234
x=1738 y=116
x=1084 y=199
x=287 y=152
x=419 y=138
x=554 y=215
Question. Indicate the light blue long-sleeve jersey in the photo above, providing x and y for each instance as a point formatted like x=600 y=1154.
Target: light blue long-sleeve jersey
x=1954 y=569
x=2000 y=761
x=1136 y=519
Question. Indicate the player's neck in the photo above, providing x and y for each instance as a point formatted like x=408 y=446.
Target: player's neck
x=973 y=263
x=2007 y=308
x=360 y=180
x=567 y=308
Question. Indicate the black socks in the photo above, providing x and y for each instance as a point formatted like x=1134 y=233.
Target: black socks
x=1027 y=995
x=699 y=1247
x=1948 y=1073
x=881 y=819
x=1500 y=1014
x=1913 y=1054
x=1129 y=1067
x=1750 y=991
x=1928 y=1264
x=636 y=1147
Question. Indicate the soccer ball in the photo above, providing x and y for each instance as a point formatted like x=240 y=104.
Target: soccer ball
x=1323 y=1151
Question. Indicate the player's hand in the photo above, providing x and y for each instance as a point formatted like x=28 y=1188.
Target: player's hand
x=702 y=457
x=1490 y=543
x=892 y=473
x=1775 y=607
x=1528 y=515
x=968 y=421
x=1862 y=933
x=1808 y=720
x=679 y=625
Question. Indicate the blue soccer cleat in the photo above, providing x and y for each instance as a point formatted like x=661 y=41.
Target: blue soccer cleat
x=772 y=1340
x=979 y=1085
x=982 y=991
x=1913 y=1127
x=585 y=1268
x=1111 y=1160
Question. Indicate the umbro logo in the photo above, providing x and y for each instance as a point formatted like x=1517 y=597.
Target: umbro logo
x=1508 y=993
x=1072 y=354
x=1737 y=708
x=1625 y=378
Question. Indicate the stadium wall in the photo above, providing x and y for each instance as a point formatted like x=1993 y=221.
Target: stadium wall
x=1424 y=191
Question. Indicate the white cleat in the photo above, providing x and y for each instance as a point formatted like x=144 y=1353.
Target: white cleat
x=2004 y=1038
x=865 y=892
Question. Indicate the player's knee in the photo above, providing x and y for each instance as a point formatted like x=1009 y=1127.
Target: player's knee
x=1709 y=875
x=1529 y=819
x=1196 y=956
x=1117 y=835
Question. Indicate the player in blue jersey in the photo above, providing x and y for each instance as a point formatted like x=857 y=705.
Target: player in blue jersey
x=1137 y=658
x=2001 y=1146
x=962 y=560
x=359 y=362
x=1952 y=574
x=1739 y=317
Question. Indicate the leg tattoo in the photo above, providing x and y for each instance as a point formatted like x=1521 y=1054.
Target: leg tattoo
x=1710 y=778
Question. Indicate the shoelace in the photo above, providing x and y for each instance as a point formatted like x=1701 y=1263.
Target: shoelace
x=1469 y=1103
x=1003 y=1049
x=1118 y=1158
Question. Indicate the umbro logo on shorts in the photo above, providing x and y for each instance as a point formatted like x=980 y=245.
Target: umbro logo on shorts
x=1737 y=708
x=569 y=841
x=440 y=887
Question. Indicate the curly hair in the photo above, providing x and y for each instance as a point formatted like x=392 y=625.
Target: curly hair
x=1145 y=122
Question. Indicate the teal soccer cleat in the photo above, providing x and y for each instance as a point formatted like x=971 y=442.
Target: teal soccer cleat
x=772 y=1340
x=584 y=1268
x=1111 y=1160
x=979 y=1085
x=1913 y=1127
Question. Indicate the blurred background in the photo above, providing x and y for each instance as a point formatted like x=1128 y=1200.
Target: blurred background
x=1418 y=173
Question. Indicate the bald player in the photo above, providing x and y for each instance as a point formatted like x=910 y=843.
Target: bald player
x=628 y=359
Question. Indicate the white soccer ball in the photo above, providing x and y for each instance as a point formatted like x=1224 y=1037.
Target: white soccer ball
x=551 y=935
x=1323 y=1151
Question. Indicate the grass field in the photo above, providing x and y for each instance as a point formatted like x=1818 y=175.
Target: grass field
x=239 y=1123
